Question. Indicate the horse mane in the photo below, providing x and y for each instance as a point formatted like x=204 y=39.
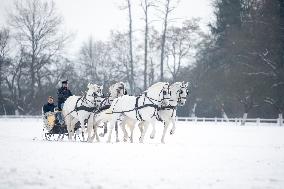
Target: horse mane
x=112 y=86
x=94 y=87
x=176 y=84
x=158 y=85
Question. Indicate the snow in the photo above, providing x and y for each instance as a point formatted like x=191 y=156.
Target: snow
x=198 y=155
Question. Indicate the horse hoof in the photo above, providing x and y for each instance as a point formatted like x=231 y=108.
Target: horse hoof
x=172 y=132
x=152 y=137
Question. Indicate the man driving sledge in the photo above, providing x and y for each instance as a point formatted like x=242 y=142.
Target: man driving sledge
x=63 y=93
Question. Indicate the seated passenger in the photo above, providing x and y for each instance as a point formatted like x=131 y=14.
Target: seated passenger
x=49 y=107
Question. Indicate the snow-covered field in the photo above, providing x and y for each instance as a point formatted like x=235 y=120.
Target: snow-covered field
x=199 y=155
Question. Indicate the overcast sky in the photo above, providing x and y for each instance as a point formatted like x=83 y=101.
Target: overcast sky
x=97 y=18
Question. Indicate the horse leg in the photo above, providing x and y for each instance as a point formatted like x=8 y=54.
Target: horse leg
x=82 y=132
x=146 y=124
x=90 y=125
x=112 y=123
x=94 y=127
x=174 y=126
x=131 y=124
x=116 y=131
x=153 y=133
x=140 y=126
x=105 y=130
x=166 y=125
x=131 y=133
x=69 y=127
x=73 y=125
x=96 y=132
x=125 y=134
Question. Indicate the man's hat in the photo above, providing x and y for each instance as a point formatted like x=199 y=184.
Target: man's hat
x=64 y=82
x=50 y=97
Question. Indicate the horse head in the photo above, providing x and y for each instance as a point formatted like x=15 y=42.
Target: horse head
x=94 y=90
x=159 y=92
x=179 y=92
x=117 y=90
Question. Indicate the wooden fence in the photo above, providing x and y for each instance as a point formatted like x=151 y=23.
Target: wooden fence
x=237 y=121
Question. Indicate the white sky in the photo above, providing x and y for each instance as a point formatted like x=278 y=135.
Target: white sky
x=97 y=18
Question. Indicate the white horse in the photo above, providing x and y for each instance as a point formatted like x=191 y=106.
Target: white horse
x=115 y=90
x=141 y=108
x=79 y=108
x=166 y=113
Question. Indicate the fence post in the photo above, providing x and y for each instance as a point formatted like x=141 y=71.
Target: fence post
x=280 y=118
x=257 y=121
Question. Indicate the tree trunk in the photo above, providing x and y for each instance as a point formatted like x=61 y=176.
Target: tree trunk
x=243 y=122
x=130 y=49
x=193 y=110
x=282 y=29
x=163 y=42
x=1 y=97
x=146 y=46
x=224 y=115
x=280 y=118
x=151 y=74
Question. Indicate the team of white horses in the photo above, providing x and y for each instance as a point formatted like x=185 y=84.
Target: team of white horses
x=158 y=102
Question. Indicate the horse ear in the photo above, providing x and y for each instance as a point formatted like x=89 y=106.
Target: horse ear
x=88 y=85
x=102 y=86
x=186 y=84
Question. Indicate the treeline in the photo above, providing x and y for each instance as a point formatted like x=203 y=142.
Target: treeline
x=240 y=67
x=235 y=70
x=33 y=60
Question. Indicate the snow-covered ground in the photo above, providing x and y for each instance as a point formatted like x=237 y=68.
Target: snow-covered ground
x=199 y=155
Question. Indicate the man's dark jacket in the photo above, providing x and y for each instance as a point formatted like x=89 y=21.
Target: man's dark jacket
x=63 y=93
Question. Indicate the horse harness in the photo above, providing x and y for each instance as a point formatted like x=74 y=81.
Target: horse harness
x=169 y=107
x=152 y=104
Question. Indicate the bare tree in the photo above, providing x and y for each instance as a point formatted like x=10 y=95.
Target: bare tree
x=167 y=7
x=146 y=4
x=179 y=45
x=130 y=36
x=16 y=81
x=88 y=59
x=37 y=29
x=4 y=38
x=120 y=67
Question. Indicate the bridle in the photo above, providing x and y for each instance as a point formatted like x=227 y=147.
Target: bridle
x=180 y=92
x=95 y=96
x=121 y=88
